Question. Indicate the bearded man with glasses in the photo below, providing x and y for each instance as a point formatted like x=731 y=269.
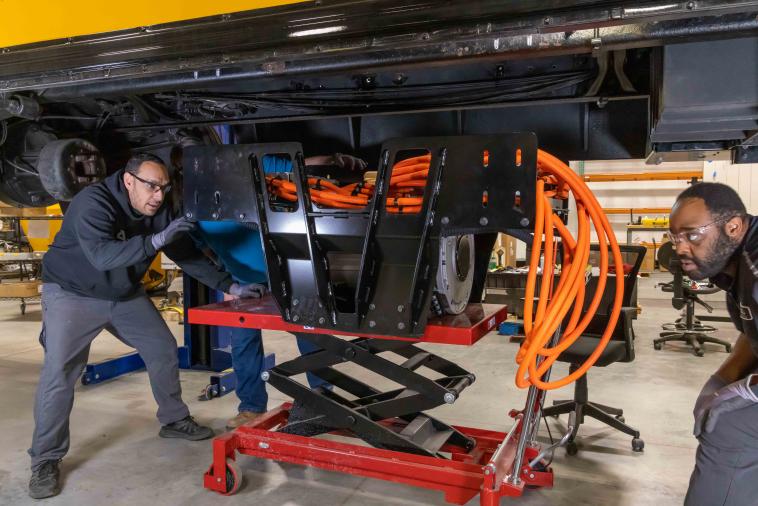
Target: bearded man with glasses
x=92 y=276
x=715 y=237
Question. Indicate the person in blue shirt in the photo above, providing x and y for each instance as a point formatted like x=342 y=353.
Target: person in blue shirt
x=238 y=249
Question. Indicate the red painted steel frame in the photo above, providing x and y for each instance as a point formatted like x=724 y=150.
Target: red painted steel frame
x=460 y=478
x=464 y=329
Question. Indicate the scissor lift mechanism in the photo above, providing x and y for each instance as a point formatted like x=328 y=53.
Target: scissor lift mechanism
x=408 y=446
x=475 y=185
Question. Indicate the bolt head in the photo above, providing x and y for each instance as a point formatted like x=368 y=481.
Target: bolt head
x=295 y=302
x=449 y=398
x=483 y=221
x=372 y=306
x=322 y=320
x=445 y=220
x=372 y=324
x=242 y=216
x=188 y=214
x=400 y=308
x=524 y=222
x=295 y=318
x=401 y=325
x=265 y=375
x=214 y=216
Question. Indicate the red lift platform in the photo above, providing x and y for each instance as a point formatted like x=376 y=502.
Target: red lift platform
x=464 y=461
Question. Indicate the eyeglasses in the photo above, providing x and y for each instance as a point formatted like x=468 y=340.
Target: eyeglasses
x=153 y=187
x=694 y=235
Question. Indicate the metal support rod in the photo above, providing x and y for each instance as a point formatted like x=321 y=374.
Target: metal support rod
x=553 y=341
x=531 y=398
x=501 y=447
x=530 y=420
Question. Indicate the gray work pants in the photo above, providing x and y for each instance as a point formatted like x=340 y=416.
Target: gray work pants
x=726 y=464
x=69 y=324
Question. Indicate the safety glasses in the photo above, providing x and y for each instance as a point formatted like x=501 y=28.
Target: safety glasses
x=153 y=187
x=694 y=235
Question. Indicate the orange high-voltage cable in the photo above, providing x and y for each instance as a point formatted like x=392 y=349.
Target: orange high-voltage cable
x=536 y=357
x=555 y=181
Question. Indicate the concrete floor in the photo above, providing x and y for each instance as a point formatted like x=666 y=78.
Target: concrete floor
x=117 y=458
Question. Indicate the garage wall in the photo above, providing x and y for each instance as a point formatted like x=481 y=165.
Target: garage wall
x=628 y=194
x=741 y=177
x=633 y=193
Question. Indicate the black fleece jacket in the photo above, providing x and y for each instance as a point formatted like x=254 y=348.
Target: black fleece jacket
x=104 y=246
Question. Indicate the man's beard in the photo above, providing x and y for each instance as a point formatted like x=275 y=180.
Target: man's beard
x=717 y=258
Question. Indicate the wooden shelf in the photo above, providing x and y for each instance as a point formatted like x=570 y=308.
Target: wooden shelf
x=637 y=210
x=644 y=176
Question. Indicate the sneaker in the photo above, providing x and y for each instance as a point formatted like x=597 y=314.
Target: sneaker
x=241 y=419
x=45 y=481
x=186 y=428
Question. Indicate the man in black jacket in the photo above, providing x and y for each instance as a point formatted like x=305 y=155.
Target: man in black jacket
x=716 y=238
x=92 y=281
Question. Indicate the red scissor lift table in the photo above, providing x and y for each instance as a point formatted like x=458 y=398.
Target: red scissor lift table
x=407 y=446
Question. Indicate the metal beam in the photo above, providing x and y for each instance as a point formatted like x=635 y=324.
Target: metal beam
x=256 y=46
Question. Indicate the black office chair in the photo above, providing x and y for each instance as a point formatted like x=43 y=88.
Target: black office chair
x=620 y=349
x=688 y=327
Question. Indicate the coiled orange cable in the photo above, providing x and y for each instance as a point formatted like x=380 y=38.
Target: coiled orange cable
x=536 y=356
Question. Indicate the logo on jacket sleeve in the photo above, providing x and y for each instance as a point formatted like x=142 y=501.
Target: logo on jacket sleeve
x=121 y=236
x=745 y=312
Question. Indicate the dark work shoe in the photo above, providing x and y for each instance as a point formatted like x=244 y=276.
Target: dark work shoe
x=45 y=481
x=186 y=428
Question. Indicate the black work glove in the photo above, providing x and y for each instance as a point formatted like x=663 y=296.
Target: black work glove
x=249 y=291
x=349 y=162
x=172 y=232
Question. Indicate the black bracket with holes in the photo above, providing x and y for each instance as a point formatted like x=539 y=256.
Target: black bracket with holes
x=477 y=184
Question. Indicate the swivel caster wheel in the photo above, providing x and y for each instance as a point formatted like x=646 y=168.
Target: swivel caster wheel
x=233 y=477
x=658 y=346
x=638 y=445
x=572 y=448
x=208 y=393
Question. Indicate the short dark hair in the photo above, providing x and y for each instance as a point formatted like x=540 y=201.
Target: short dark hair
x=137 y=160
x=720 y=200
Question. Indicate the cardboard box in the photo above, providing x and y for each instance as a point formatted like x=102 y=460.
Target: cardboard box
x=7 y=211
x=648 y=263
x=505 y=250
x=25 y=289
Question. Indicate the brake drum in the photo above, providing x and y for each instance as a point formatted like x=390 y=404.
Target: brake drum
x=455 y=275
